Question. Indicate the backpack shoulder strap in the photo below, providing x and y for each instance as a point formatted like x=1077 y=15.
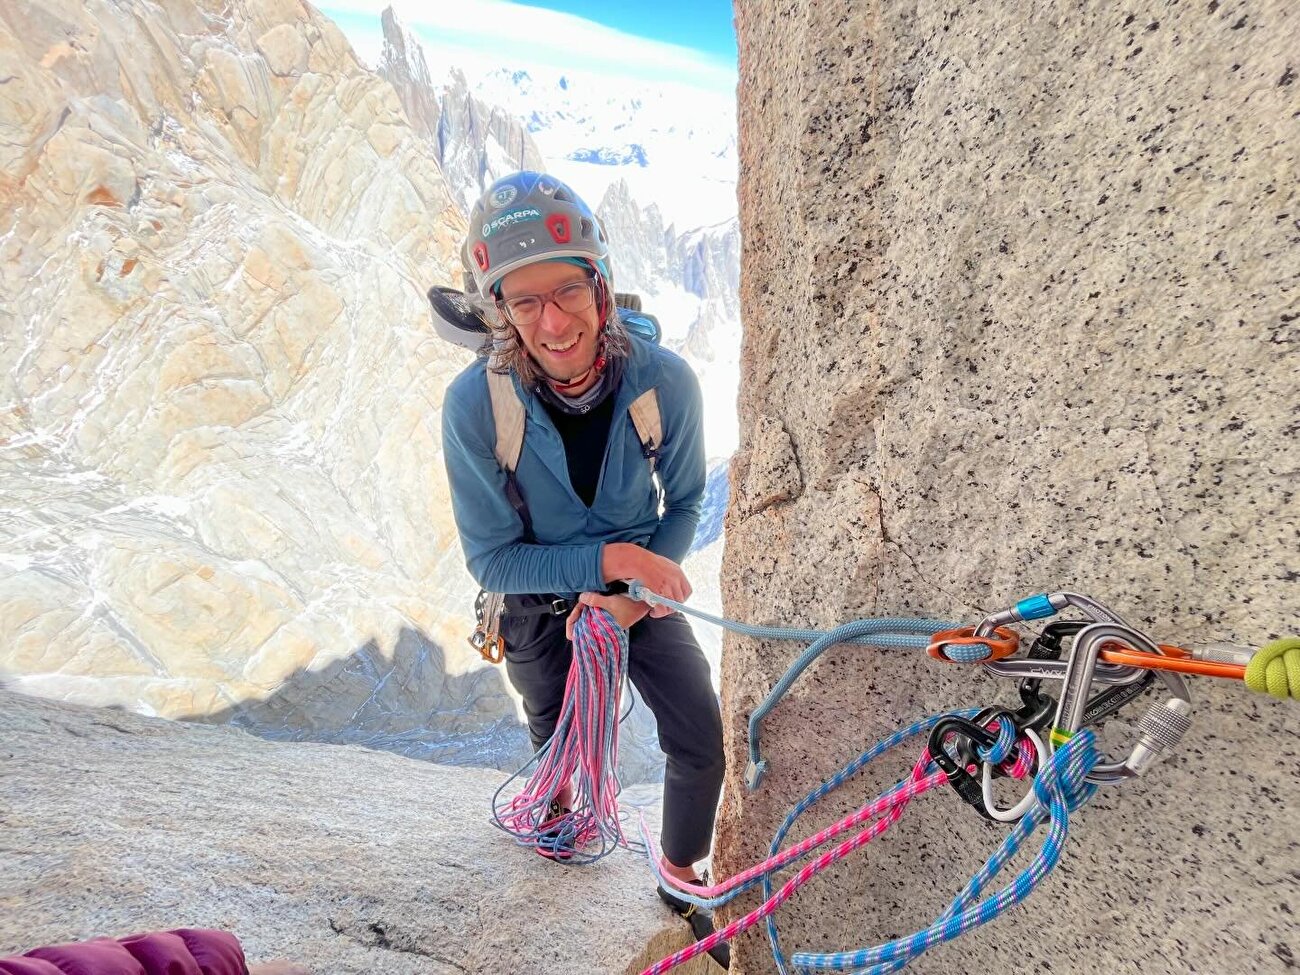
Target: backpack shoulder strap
x=508 y=414
x=649 y=426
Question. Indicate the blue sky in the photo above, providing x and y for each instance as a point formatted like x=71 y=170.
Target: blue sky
x=670 y=41
x=705 y=25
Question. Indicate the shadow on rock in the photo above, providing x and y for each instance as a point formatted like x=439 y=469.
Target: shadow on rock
x=409 y=704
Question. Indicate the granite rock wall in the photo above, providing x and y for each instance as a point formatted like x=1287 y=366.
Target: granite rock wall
x=1019 y=286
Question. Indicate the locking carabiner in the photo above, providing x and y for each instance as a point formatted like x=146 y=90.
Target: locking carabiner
x=1048 y=604
x=486 y=638
x=1164 y=724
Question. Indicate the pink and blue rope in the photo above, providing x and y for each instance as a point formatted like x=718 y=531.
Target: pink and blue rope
x=583 y=752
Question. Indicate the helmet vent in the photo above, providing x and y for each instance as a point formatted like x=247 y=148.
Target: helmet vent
x=563 y=195
x=587 y=229
x=558 y=225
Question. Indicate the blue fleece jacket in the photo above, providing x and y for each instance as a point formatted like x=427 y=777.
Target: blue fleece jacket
x=570 y=537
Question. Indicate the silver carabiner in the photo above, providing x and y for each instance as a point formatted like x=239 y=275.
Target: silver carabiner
x=1045 y=605
x=1110 y=674
x=1041 y=607
x=1164 y=723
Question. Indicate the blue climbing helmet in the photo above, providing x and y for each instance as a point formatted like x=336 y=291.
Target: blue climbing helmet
x=528 y=217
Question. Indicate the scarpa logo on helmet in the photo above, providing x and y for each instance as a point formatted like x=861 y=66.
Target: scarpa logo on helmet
x=510 y=219
x=504 y=196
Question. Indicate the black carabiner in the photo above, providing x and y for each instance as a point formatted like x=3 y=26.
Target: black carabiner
x=1036 y=708
x=958 y=777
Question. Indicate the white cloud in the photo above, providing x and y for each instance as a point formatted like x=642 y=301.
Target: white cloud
x=501 y=32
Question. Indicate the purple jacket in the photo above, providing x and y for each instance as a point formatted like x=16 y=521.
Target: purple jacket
x=186 y=951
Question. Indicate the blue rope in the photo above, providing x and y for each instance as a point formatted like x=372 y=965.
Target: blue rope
x=1061 y=787
x=830 y=785
x=888 y=632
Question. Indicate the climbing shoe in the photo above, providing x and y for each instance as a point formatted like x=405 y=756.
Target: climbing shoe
x=555 y=837
x=701 y=921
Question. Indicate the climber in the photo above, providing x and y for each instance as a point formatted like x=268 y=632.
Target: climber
x=580 y=510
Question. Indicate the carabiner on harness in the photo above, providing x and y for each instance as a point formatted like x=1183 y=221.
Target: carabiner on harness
x=486 y=638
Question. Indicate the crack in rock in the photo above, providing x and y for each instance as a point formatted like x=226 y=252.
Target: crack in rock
x=374 y=934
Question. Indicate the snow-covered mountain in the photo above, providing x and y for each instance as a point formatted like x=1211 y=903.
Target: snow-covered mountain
x=691 y=282
x=674 y=146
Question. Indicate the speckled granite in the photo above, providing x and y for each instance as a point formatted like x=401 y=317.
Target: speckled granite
x=1020 y=297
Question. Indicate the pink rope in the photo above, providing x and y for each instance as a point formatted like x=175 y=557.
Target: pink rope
x=882 y=804
x=583 y=751
x=891 y=805
x=894 y=801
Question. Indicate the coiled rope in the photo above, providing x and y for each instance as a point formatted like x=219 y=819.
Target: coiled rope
x=582 y=751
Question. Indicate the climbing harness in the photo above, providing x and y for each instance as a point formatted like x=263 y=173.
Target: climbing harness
x=967 y=749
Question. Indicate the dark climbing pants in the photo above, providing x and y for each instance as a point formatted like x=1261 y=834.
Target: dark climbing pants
x=669 y=671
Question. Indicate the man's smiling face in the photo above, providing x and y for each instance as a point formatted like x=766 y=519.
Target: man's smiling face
x=563 y=344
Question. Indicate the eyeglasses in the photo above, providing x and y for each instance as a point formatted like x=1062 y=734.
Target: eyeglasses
x=574 y=297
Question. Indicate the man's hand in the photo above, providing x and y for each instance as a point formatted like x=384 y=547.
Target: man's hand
x=626 y=611
x=623 y=560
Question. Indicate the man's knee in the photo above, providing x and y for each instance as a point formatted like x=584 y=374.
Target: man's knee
x=696 y=743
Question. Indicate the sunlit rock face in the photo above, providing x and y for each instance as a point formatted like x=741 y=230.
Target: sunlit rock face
x=1020 y=307
x=219 y=400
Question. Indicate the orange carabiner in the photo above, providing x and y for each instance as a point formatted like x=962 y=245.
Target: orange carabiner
x=493 y=649
x=1004 y=644
x=1173 y=658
